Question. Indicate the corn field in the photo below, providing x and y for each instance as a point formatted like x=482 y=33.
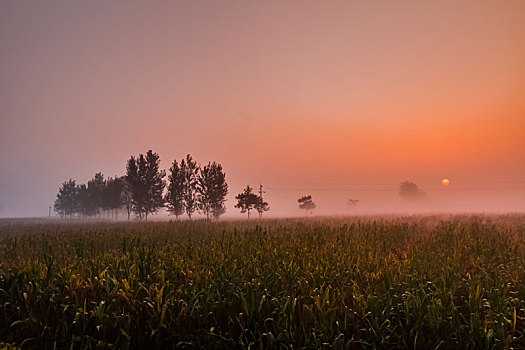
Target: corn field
x=415 y=282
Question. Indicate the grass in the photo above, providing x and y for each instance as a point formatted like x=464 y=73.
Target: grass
x=418 y=282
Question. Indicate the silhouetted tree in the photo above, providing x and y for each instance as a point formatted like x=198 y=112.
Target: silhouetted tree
x=96 y=187
x=247 y=200
x=261 y=206
x=146 y=183
x=212 y=189
x=154 y=183
x=175 y=195
x=113 y=194
x=410 y=191
x=127 y=196
x=190 y=189
x=86 y=206
x=306 y=203
x=135 y=186
x=83 y=200
x=66 y=203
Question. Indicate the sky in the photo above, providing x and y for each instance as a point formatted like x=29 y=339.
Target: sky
x=336 y=99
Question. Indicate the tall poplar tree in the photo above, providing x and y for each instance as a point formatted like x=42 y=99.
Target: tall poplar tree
x=66 y=203
x=113 y=195
x=175 y=196
x=154 y=183
x=212 y=190
x=96 y=187
x=135 y=187
x=190 y=171
x=146 y=184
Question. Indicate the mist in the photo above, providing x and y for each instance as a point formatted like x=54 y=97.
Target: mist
x=338 y=101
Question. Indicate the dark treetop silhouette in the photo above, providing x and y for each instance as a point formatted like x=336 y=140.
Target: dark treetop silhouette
x=247 y=200
x=146 y=182
x=212 y=190
x=306 y=203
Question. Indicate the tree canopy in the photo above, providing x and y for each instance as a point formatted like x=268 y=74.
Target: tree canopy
x=190 y=173
x=246 y=200
x=410 y=191
x=175 y=195
x=146 y=183
x=212 y=190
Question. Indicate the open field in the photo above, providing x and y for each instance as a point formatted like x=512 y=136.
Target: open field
x=422 y=282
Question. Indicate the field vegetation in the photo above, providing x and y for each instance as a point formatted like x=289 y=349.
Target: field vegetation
x=416 y=282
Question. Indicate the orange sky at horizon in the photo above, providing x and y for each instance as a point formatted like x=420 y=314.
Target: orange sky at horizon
x=302 y=96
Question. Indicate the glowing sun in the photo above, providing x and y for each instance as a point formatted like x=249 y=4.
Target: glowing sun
x=445 y=182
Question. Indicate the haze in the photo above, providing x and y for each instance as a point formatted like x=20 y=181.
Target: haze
x=334 y=99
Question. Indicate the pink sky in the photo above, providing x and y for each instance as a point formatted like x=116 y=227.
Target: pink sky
x=335 y=99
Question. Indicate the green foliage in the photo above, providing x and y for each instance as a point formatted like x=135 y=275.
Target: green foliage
x=419 y=282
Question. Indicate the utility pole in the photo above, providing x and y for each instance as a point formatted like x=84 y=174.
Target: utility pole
x=261 y=191
x=260 y=209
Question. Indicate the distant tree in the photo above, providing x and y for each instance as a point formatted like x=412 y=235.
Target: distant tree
x=135 y=187
x=190 y=189
x=175 y=196
x=352 y=202
x=261 y=206
x=86 y=206
x=66 y=203
x=246 y=200
x=153 y=181
x=83 y=200
x=96 y=188
x=212 y=190
x=410 y=191
x=127 y=196
x=146 y=183
x=113 y=195
x=306 y=203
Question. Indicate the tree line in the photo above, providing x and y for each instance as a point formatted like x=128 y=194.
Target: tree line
x=190 y=188
x=97 y=197
x=143 y=191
